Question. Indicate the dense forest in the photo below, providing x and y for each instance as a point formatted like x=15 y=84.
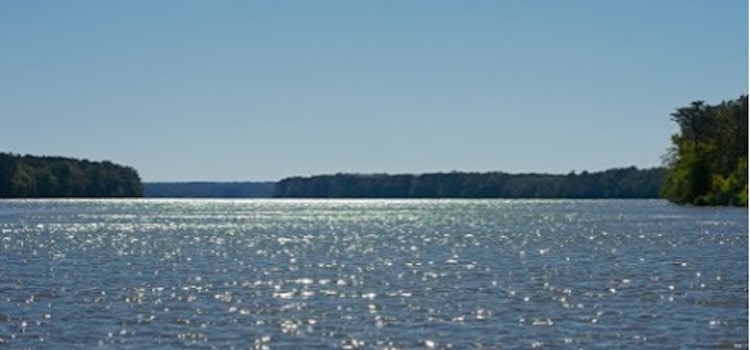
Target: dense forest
x=707 y=164
x=31 y=176
x=615 y=183
x=209 y=189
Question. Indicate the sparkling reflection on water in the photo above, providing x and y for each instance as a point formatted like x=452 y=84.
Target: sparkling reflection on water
x=372 y=274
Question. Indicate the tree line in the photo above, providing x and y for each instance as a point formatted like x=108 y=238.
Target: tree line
x=33 y=176
x=209 y=189
x=707 y=164
x=614 y=183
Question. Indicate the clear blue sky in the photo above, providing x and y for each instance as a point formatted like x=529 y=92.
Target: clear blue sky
x=261 y=90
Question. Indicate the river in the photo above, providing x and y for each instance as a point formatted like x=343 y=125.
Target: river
x=372 y=274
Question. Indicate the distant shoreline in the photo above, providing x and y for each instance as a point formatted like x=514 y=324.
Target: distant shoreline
x=208 y=189
x=616 y=183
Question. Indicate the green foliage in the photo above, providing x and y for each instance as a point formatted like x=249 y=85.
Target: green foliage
x=29 y=176
x=708 y=161
x=614 y=183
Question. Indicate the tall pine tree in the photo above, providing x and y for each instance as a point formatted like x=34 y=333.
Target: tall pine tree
x=708 y=161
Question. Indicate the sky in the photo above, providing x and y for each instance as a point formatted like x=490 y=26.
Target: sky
x=260 y=90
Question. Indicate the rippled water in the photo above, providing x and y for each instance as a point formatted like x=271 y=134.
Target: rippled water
x=372 y=274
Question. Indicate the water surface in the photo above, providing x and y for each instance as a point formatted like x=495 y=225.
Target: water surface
x=372 y=274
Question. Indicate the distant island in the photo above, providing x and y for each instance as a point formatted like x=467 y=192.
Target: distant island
x=34 y=176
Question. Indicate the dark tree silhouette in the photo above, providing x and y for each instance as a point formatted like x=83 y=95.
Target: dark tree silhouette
x=708 y=161
x=615 y=183
x=30 y=176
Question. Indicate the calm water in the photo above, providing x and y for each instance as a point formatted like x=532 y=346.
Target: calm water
x=372 y=274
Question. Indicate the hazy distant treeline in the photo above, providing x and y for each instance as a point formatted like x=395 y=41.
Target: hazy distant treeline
x=615 y=183
x=209 y=189
x=708 y=161
x=31 y=176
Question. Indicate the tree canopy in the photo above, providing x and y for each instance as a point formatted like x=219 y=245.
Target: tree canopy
x=615 y=183
x=31 y=176
x=708 y=160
